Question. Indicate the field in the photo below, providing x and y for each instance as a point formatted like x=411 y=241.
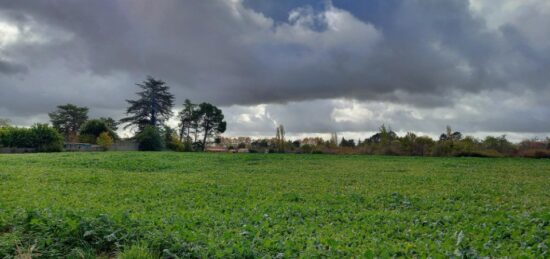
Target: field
x=170 y=205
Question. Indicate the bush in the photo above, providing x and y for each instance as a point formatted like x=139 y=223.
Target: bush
x=535 y=153
x=91 y=130
x=105 y=140
x=175 y=145
x=443 y=148
x=150 y=139
x=46 y=138
x=306 y=149
x=41 y=137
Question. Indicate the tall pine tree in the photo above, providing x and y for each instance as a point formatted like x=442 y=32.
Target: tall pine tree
x=153 y=107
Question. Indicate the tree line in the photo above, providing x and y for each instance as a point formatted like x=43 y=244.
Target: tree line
x=387 y=142
x=146 y=115
x=203 y=123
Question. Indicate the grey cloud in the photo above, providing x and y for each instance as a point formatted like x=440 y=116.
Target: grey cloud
x=422 y=54
x=11 y=68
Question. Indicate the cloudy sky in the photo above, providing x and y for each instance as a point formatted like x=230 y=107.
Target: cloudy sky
x=481 y=66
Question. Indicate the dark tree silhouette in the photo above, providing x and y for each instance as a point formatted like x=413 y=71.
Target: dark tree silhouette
x=449 y=135
x=68 y=119
x=90 y=131
x=210 y=121
x=110 y=122
x=188 y=121
x=153 y=107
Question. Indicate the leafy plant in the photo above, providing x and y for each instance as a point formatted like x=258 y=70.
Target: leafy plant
x=105 y=140
x=150 y=139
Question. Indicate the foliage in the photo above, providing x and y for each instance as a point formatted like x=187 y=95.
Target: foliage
x=105 y=140
x=536 y=153
x=172 y=141
x=188 y=122
x=92 y=129
x=40 y=137
x=451 y=136
x=153 y=106
x=347 y=143
x=150 y=139
x=280 y=138
x=136 y=252
x=211 y=122
x=201 y=205
x=112 y=124
x=46 y=138
x=306 y=148
x=68 y=119
x=500 y=144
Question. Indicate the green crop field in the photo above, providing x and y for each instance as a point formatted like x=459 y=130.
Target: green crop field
x=170 y=205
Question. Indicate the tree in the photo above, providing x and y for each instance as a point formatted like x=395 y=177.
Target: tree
x=188 y=121
x=423 y=145
x=449 y=135
x=210 y=122
x=110 y=122
x=280 y=138
x=347 y=143
x=68 y=119
x=90 y=131
x=333 y=139
x=149 y=139
x=408 y=143
x=153 y=107
x=105 y=140
x=500 y=144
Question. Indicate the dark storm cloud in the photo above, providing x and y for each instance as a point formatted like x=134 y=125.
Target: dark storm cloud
x=421 y=53
x=7 y=67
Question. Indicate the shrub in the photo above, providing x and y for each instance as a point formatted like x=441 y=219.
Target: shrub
x=40 y=136
x=533 y=144
x=46 y=138
x=500 y=144
x=172 y=141
x=91 y=130
x=535 y=153
x=150 y=139
x=4 y=136
x=442 y=148
x=105 y=140
x=307 y=148
x=176 y=145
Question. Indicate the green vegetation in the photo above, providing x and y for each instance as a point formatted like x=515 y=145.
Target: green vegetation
x=68 y=119
x=150 y=139
x=105 y=141
x=39 y=137
x=92 y=129
x=169 y=205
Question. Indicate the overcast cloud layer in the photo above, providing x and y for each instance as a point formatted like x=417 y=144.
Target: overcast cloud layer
x=315 y=66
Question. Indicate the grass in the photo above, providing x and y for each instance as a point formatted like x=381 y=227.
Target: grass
x=169 y=205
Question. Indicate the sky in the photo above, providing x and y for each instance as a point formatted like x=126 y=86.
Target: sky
x=347 y=66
